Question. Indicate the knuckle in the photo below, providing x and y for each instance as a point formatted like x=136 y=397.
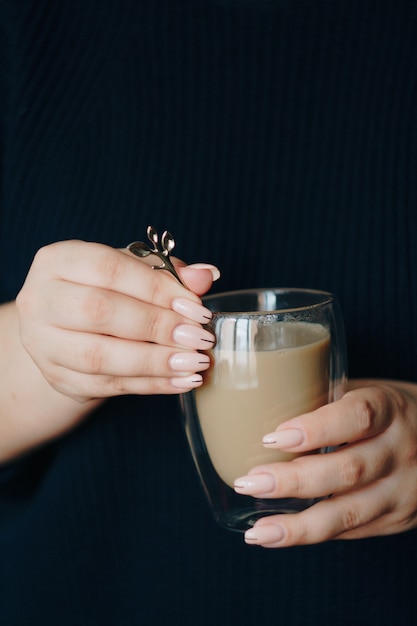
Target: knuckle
x=119 y=385
x=98 y=308
x=399 y=401
x=353 y=472
x=298 y=482
x=149 y=362
x=155 y=288
x=145 y=386
x=350 y=519
x=94 y=359
x=366 y=415
x=153 y=386
x=93 y=386
x=111 y=264
x=44 y=256
x=300 y=534
x=48 y=258
x=154 y=323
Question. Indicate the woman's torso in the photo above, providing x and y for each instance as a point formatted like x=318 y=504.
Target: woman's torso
x=275 y=139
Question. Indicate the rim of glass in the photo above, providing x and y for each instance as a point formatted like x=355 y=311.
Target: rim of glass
x=328 y=298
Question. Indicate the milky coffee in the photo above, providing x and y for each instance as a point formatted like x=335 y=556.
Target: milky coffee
x=246 y=394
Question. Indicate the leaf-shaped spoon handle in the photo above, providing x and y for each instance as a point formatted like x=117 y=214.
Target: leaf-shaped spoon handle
x=167 y=244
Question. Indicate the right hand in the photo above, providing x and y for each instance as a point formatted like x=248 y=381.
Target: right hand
x=99 y=322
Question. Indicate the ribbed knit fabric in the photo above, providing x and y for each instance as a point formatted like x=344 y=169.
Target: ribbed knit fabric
x=274 y=138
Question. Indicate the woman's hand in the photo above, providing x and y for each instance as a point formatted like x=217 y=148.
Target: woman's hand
x=372 y=479
x=98 y=322
x=92 y=322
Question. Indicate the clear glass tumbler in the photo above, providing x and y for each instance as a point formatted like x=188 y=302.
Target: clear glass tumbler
x=278 y=353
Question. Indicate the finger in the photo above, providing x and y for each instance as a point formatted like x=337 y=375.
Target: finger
x=199 y=277
x=319 y=475
x=82 y=387
x=360 y=414
x=102 y=266
x=326 y=520
x=104 y=355
x=89 y=309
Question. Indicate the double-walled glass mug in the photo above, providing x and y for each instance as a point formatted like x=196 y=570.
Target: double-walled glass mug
x=278 y=353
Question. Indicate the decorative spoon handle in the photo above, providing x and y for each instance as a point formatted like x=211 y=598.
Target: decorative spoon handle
x=160 y=248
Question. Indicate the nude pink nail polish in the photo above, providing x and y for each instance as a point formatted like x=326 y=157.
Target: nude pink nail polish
x=192 y=310
x=255 y=484
x=193 y=337
x=286 y=438
x=189 y=362
x=207 y=266
x=187 y=382
x=271 y=533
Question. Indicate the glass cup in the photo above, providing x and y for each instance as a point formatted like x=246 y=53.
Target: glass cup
x=278 y=353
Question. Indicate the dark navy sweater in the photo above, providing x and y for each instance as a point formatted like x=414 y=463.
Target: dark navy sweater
x=274 y=138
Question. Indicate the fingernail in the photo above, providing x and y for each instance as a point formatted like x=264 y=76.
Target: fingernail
x=192 y=310
x=255 y=485
x=189 y=362
x=265 y=534
x=187 y=382
x=206 y=266
x=289 y=438
x=193 y=337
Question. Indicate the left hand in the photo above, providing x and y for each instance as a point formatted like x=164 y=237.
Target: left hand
x=372 y=479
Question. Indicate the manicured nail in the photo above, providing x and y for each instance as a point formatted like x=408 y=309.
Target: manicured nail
x=206 y=266
x=192 y=310
x=189 y=362
x=282 y=439
x=187 y=382
x=193 y=337
x=255 y=485
x=271 y=533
